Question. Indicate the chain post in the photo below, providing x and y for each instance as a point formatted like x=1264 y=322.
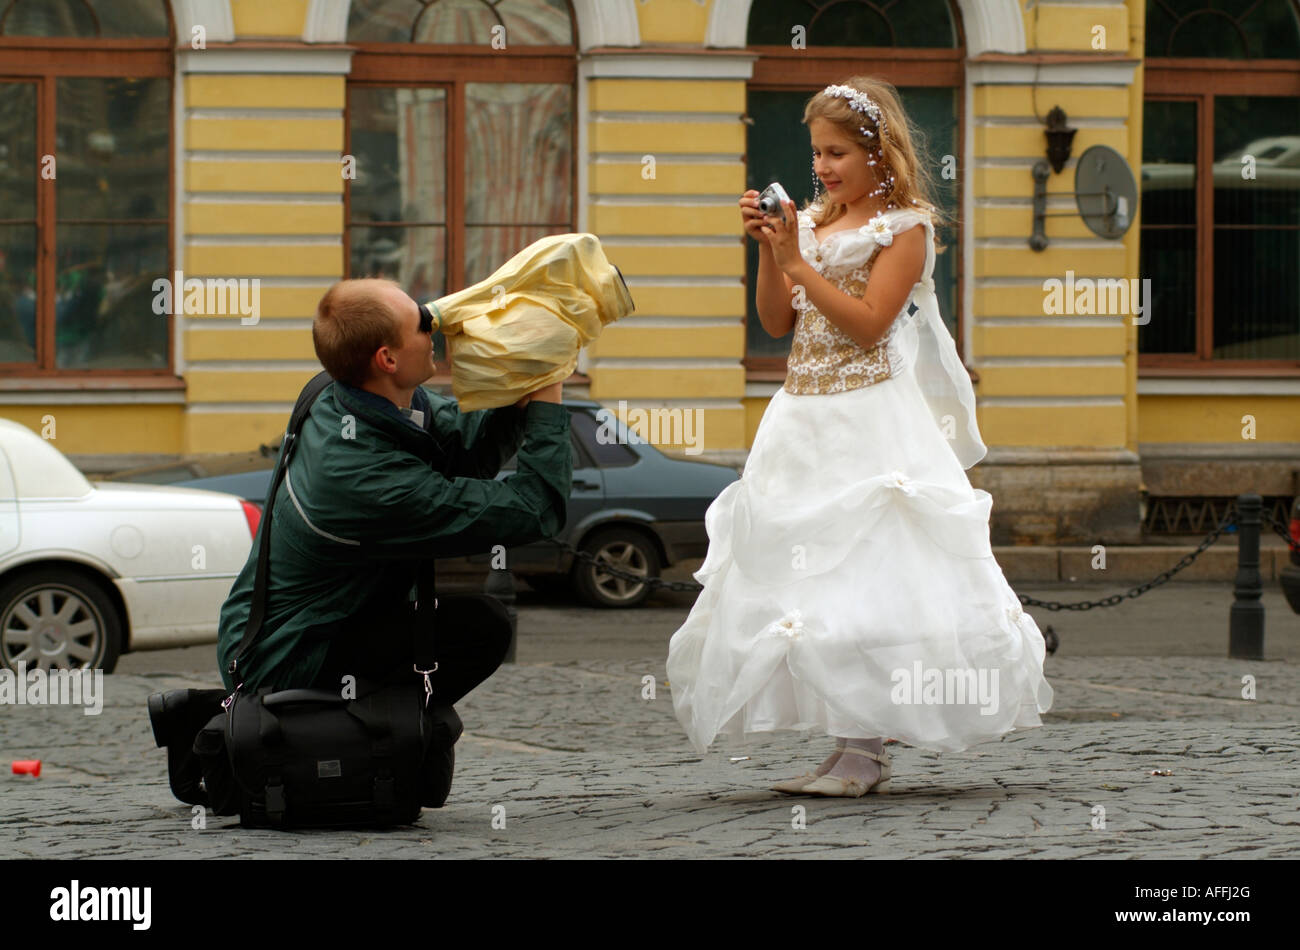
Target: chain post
x=1246 y=616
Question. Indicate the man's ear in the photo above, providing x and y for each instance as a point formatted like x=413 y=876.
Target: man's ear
x=383 y=363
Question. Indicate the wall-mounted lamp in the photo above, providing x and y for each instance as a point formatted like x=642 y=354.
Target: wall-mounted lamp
x=1059 y=139
x=1105 y=193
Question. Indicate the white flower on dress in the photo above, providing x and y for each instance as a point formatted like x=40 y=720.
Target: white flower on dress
x=791 y=625
x=879 y=230
x=902 y=481
x=1014 y=613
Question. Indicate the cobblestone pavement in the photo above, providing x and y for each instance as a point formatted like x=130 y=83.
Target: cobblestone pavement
x=579 y=765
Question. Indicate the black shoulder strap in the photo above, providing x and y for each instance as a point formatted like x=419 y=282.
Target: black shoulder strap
x=426 y=579
x=257 y=609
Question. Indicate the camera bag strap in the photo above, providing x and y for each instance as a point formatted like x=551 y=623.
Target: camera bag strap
x=426 y=578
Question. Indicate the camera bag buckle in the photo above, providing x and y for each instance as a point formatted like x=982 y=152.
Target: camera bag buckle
x=428 y=683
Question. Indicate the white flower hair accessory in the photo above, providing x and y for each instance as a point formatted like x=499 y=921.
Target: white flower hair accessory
x=863 y=104
x=859 y=102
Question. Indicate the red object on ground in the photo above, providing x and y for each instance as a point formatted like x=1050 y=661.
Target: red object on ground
x=28 y=767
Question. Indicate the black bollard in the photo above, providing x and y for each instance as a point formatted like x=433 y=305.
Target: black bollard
x=501 y=585
x=1246 y=618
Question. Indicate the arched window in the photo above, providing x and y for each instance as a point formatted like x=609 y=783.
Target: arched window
x=1221 y=186
x=85 y=186
x=803 y=46
x=525 y=22
x=461 y=124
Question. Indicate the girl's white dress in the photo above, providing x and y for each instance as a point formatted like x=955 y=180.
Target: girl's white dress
x=849 y=585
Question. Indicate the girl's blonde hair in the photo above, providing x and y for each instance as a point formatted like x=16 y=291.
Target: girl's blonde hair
x=893 y=151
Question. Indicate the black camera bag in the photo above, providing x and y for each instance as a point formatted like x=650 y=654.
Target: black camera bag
x=308 y=758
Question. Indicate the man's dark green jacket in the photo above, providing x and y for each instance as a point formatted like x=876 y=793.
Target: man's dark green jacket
x=362 y=473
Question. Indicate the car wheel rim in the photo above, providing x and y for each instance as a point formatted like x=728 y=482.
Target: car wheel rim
x=51 y=628
x=626 y=557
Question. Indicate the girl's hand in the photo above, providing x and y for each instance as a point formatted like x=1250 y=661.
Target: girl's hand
x=782 y=235
x=750 y=216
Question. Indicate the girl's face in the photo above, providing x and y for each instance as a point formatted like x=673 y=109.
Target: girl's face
x=840 y=161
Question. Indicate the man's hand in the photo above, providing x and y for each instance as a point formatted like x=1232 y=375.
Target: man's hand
x=551 y=393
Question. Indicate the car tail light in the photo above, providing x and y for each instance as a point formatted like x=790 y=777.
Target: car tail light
x=254 y=515
x=1295 y=533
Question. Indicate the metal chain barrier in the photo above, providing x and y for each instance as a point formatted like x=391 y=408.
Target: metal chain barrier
x=1230 y=520
x=655 y=583
x=1282 y=530
x=1113 y=599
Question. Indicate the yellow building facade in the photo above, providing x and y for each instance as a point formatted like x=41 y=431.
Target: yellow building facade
x=661 y=123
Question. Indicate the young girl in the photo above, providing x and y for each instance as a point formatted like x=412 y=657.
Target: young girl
x=849 y=584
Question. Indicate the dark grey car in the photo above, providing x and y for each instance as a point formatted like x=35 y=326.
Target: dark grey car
x=630 y=506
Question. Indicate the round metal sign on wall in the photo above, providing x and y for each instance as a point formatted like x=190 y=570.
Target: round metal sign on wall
x=1105 y=192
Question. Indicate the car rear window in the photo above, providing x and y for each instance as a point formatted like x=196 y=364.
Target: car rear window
x=607 y=454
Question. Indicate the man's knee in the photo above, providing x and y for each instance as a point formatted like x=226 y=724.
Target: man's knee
x=481 y=619
x=496 y=628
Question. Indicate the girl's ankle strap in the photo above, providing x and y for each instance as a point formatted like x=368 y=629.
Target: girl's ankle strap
x=864 y=752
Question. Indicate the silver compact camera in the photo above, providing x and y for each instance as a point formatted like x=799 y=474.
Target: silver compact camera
x=771 y=200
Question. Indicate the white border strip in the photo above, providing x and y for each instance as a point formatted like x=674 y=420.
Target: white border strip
x=1055 y=402
x=1103 y=73
x=278 y=409
x=685 y=362
x=256 y=366
x=336 y=62
x=1059 y=362
x=649 y=64
x=92 y=397
x=1210 y=386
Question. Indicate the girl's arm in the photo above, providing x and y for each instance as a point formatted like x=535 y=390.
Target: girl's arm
x=774 y=295
x=896 y=270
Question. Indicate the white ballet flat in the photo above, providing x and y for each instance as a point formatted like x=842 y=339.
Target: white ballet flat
x=829 y=786
x=795 y=786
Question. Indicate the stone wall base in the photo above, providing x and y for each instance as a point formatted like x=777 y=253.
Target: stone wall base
x=1180 y=469
x=1066 y=497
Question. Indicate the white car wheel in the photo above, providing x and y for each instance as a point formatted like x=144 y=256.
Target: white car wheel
x=57 y=620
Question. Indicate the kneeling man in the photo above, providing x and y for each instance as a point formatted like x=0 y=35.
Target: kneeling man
x=384 y=466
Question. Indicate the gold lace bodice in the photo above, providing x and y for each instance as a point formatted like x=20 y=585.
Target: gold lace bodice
x=823 y=358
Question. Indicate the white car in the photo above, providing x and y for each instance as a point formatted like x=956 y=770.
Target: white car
x=91 y=571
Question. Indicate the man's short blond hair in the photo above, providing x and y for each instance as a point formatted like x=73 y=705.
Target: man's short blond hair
x=353 y=321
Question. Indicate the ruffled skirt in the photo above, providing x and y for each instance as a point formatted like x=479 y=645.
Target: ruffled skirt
x=850 y=587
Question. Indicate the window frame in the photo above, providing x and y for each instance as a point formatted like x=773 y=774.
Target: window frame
x=783 y=69
x=44 y=61
x=450 y=67
x=1201 y=81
